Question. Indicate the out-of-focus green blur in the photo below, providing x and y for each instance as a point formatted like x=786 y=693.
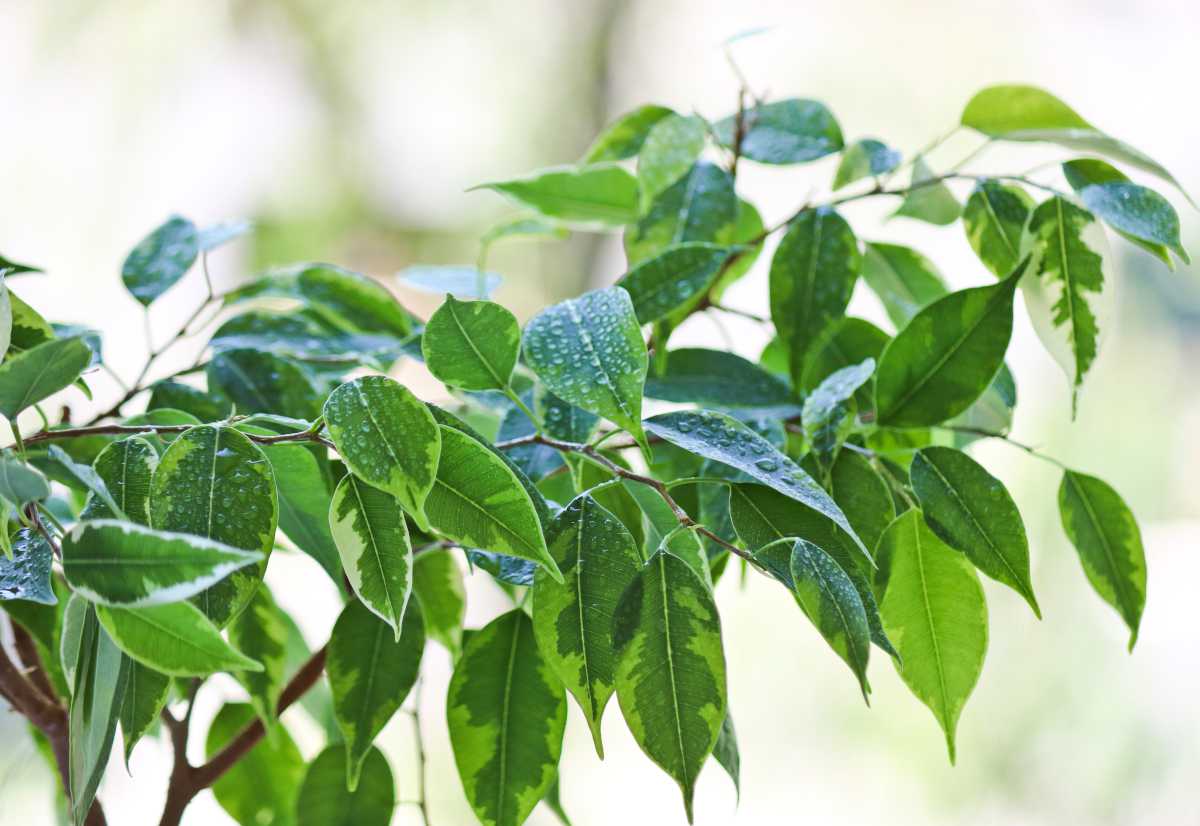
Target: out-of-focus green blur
x=351 y=131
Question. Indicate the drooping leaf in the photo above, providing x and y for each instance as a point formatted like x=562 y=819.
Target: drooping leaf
x=324 y=799
x=862 y=495
x=258 y=381
x=31 y=375
x=506 y=712
x=994 y=219
x=594 y=195
x=260 y=789
x=928 y=199
x=670 y=674
x=438 y=587
x=785 y=132
x=1064 y=289
x=904 y=279
x=971 y=511
x=812 y=275
x=146 y=693
x=946 y=357
x=175 y=638
x=371 y=534
x=122 y=563
x=261 y=634
x=160 y=259
x=126 y=468
x=660 y=285
x=388 y=438
x=14 y=268
x=717 y=378
x=831 y=601
x=214 y=482
x=573 y=620
x=865 y=158
x=21 y=483
x=25 y=575
x=671 y=147
x=623 y=138
x=700 y=207
x=371 y=671
x=933 y=607
x=589 y=351
x=727 y=754
x=472 y=345
x=1106 y=535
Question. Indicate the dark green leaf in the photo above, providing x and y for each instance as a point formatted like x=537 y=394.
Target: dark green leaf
x=324 y=799
x=175 y=638
x=260 y=789
x=26 y=574
x=34 y=374
x=472 y=345
x=846 y=342
x=904 y=279
x=700 y=206
x=79 y=475
x=717 y=378
x=161 y=259
x=727 y=754
x=261 y=634
x=205 y=406
x=863 y=496
x=126 y=468
x=865 y=158
x=262 y=382
x=829 y=598
x=785 y=132
x=14 y=268
x=994 y=219
x=676 y=276
x=146 y=693
x=438 y=587
x=623 y=138
x=828 y=413
x=595 y=195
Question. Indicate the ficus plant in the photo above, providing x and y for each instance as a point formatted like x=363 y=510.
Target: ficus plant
x=611 y=483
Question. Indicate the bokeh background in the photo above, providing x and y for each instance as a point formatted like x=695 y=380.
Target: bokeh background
x=350 y=131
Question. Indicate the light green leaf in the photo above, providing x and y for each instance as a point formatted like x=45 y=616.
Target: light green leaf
x=351 y=301
x=370 y=671
x=472 y=345
x=933 y=607
x=971 y=511
x=324 y=799
x=146 y=693
x=904 y=279
x=506 y=712
x=1106 y=535
x=717 y=378
x=928 y=199
x=671 y=147
x=21 y=483
x=34 y=374
x=724 y=439
x=76 y=614
x=372 y=537
x=126 y=468
x=25 y=574
x=812 y=276
x=175 y=639
x=88 y=478
x=829 y=598
x=438 y=587
x=1064 y=288
x=29 y=329
x=161 y=259
x=260 y=789
x=673 y=278
x=573 y=620
x=261 y=634
x=387 y=437
x=700 y=206
x=217 y=235
x=994 y=219
x=946 y=357
x=214 y=482
x=865 y=158
x=479 y=501
x=623 y=138
x=122 y=563
x=258 y=381
x=670 y=674
x=589 y=351
x=586 y=197
x=6 y=313
x=727 y=754
x=785 y=132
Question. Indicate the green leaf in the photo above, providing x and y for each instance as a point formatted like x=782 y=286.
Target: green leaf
x=372 y=537
x=904 y=279
x=25 y=574
x=828 y=413
x=700 y=206
x=727 y=754
x=829 y=598
x=717 y=378
x=88 y=478
x=126 y=468
x=671 y=147
x=994 y=219
x=846 y=342
x=971 y=511
x=1027 y=113
x=812 y=276
x=146 y=693
x=506 y=712
x=213 y=482
x=1064 y=288
x=125 y=564
x=572 y=620
x=98 y=676
x=371 y=672
x=460 y=282
x=351 y=301
x=218 y=235
x=785 y=132
x=175 y=638
x=472 y=345
x=30 y=376
x=992 y=412
x=387 y=437
x=438 y=587
x=863 y=496
x=585 y=197
x=21 y=483
x=946 y=357
x=724 y=439
x=662 y=284
x=589 y=351
x=6 y=314
x=928 y=199
x=261 y=634
x=933 y=607
x=160 y=259
x=168 y=394
x=29 y=329
x=76 y=614
x=1139 y=214
x=260 y=789
x=1106 y=535
x=14 y=268
x=670 y=674
x=479 y=501
x=865 y=158
x=324 y=799
x=623 y=138
x=261 y=382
